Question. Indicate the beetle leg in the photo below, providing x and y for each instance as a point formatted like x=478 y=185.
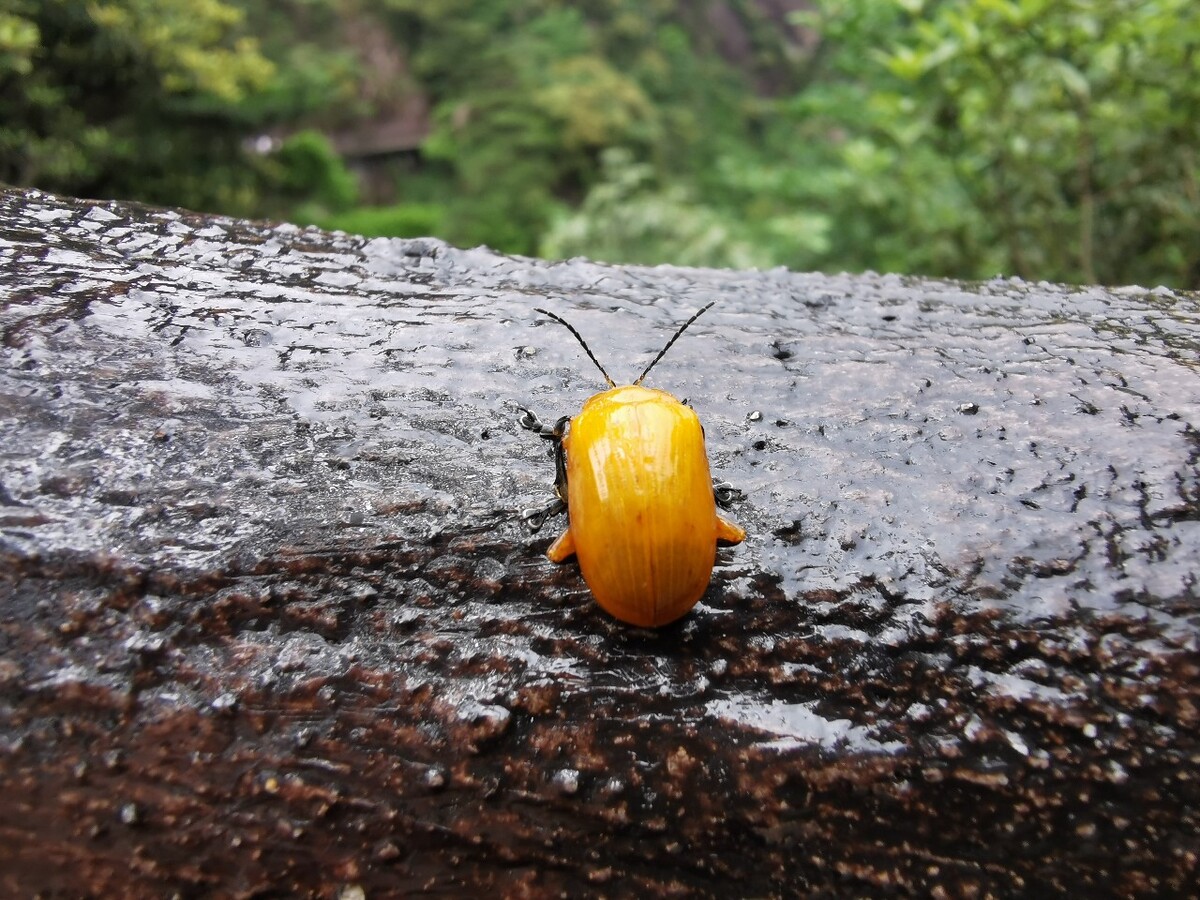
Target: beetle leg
x=536 y=517
x=529 y=422
x=728 y=532
x=726 y=494
x=562 y=548
x=560 y=472
x=555 y=434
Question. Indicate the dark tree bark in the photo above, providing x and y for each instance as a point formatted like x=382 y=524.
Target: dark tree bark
x=270 y=625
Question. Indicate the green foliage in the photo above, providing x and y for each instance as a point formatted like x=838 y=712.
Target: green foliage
x=402 y=220
x=1046 y=139
x=318 y=75
x=127 y=98
x=309 y=171
x=193 y=47
x=19 y=39
x=1054 y=139
x=630 y=216
x=525 y=101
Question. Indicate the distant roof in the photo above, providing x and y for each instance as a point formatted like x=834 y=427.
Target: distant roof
x=401 y=127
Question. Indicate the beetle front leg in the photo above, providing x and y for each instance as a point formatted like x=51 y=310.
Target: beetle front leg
x=536 y=517
x=555 y=432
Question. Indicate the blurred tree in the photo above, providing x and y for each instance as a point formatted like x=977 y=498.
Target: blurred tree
x=318 y=74
x=18 y=42
x=130 y=98
x=528 y=94
x=632 y=215
x=310 y=179
x=404 y=220
x=524 y=101
x=1052 y=139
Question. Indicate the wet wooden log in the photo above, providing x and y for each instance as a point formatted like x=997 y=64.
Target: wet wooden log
x=270 y=625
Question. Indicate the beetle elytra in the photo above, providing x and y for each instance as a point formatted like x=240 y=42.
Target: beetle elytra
x=632 y=475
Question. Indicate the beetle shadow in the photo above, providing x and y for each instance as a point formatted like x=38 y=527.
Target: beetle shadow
x=687 y=638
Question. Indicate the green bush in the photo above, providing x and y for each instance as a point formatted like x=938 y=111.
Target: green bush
x=629 y=217
x=1051 y=139
x=129 y=99
x=308 y=170
x=1055 y=139
x=403 y=220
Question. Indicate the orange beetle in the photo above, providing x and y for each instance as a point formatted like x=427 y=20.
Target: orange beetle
x=633 y=477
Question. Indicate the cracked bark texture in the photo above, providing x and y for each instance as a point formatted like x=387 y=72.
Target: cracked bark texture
x=269 y=627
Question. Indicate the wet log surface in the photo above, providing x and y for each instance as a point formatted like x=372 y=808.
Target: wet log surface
x=269 y=626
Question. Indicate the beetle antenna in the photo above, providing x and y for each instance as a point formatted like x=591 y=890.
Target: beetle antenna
x=588 y=350
x=682 y=328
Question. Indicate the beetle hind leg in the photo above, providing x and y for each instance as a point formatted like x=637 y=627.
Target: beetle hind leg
x=726 y=495
x=562 y=548
x=728 y=532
